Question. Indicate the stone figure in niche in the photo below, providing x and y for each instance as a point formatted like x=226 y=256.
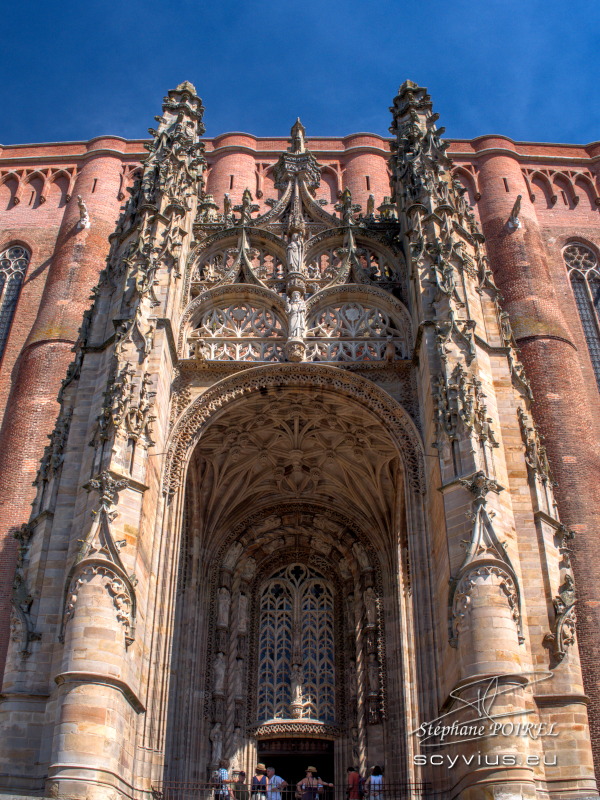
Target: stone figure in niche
x=243 y=614
x=370 y=601
x=295 y=253
x=219 y=672
x=296 y=310
x=249 y=569
x=352 y=683
x=313 y=271
x=84 y=217
x=216 y=738
x=296 y=684
x=223 y=607
x=238 y=688
x=373 y=673
x=390 y=349
x=354 y=736
x=236 y=750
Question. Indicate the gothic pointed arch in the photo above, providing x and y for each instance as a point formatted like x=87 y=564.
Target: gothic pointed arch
x=189 y=427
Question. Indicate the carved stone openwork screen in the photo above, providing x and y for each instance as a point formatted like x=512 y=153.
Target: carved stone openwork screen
x=240 y=332
x=296 y=673
x=353 y=332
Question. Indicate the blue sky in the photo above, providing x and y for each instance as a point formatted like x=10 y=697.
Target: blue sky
x=524 y=68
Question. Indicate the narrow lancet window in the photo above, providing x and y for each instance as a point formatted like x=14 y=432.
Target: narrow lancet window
x=584 y=273
x=13 y=266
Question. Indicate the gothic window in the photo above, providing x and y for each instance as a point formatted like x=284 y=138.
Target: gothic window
x=296 y=677
x=13 y=266
x=585 y=282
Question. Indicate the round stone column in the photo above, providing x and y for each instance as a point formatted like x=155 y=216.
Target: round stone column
x=95 y=706
x=79 y=256
x=562 y=408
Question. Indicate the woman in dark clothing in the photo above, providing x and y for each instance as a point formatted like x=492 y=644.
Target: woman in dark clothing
x=259 y=783
x=310 y=787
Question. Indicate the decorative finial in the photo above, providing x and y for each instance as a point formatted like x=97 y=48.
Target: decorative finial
x=186 y=86
x=298 y=134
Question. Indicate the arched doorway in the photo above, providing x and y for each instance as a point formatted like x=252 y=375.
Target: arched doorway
x=291 y=590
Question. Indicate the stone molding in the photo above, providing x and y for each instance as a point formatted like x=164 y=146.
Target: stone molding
x=103 y=680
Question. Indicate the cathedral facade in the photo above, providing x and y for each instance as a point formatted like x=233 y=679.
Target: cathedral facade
x=319 y=482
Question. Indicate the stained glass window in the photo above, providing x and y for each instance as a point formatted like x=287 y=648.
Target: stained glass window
x=296 y=673
x=585 y=282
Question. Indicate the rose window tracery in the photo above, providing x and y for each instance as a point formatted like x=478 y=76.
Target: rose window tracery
x=296 y=655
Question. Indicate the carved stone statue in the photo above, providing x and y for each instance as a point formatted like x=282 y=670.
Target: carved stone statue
x=354 y=738
x=223 y=607
x=313 y=271
x=236 y=750
x=373 y=673
x=219 y=673
x=297 y=702
x=216 y=738
x=243 y=614
x=295 y=253
x=84 y=217
x=390 y=349
x=352 y=683
x=297 y=681
x=238 y=685
x=201 y=350
x=296 y=310
x=370 y=601
x=227 y=207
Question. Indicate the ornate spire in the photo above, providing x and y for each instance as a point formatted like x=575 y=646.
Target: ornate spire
x=298 y=134
x=297 y=162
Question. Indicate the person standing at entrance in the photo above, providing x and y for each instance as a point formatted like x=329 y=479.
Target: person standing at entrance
x=259 y=783
x=375 y=784
x=310 y=787
x=353 y=785
x=275 y=785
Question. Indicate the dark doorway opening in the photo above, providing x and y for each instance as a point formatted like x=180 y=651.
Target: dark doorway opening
x=291 y=757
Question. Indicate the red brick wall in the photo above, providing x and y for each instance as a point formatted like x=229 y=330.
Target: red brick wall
x=531 y=276
x=51 y=323
x=528 y=267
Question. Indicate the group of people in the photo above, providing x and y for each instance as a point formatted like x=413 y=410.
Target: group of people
x=267 y=785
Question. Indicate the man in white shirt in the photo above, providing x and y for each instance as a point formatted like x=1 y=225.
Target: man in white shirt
x=275 y=785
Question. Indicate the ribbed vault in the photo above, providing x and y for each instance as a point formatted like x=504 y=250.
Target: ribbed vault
x=291 y=444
